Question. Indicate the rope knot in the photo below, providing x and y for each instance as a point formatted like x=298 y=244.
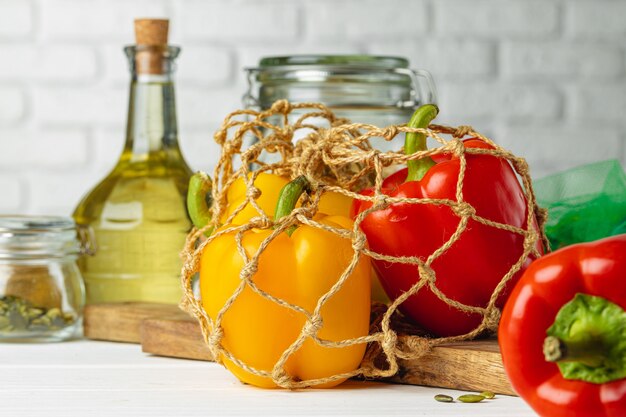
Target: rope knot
x=458 y=148
x=248 y=270
x=542 y=215
x=305 y=212
x=281 y=106
x=220 y=136
x=389 y=342
x=313 y=326
x=413 y=347
x=426 y=272
x=282 y=379
x=521 y=166
x=262 y=222
x=359 y=243
x=381 y=201
x=215 y=337
x=253 y=193
x=530 y=241
x=462 y=131
x=228 y=147
x=464 y=209
x=390 y=132
x=492 y=318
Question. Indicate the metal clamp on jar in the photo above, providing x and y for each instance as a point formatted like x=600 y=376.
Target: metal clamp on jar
x=377 y=90
x=41 y=289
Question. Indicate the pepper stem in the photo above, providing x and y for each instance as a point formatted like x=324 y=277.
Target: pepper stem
x=588 y=340
x=288 y=197
x=199 y=200
x=414 y=142
x=589 y=352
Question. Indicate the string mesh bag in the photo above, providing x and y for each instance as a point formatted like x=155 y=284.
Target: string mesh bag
x=342 y=157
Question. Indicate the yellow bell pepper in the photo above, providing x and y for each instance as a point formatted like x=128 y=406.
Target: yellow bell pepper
x=299 y=269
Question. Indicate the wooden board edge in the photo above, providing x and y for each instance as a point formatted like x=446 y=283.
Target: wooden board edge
x=457 y=367
x=174 y=338
x=120 y=322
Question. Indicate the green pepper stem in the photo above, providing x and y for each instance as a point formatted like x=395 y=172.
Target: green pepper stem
x=589 y=351
x=288 y=198
x=199 y=200
x=414 y=142
x=586 y=340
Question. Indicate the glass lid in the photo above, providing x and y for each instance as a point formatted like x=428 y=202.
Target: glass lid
x=34 y=224
x=30 y=237
x=339 y=81
x=383 y=62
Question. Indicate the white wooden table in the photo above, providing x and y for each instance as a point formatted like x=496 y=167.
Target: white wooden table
x=86 y=378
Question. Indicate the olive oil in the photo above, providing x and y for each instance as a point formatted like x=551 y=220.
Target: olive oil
x=136 y=217
x=139 y=224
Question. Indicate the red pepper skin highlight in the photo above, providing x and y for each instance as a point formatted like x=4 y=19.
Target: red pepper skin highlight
x=473 y=267
x=596 y=269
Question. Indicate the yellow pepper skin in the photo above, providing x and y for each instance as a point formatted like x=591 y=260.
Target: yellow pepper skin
x=298 y=269
x=270 y=186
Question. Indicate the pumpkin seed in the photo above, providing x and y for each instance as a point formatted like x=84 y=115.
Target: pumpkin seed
x=488 y=395
x=471 y=398
x=19 y=314
x=442 y=398
x=34 y=312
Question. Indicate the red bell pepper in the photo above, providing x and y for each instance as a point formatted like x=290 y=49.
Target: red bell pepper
x=472 y=268
x=563 y=331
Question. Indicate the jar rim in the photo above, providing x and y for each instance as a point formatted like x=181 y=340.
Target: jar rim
x=34 y=224
x=360 y=61
x=339 y=81
x=35 y=237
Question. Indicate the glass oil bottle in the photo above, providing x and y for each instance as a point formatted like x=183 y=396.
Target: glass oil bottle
x=136 y=217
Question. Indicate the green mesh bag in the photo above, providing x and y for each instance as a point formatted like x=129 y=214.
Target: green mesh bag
x=584 y=204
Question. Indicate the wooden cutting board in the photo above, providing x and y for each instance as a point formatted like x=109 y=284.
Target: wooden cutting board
x=164 y=330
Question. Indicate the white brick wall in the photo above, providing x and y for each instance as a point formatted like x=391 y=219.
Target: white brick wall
x=562 y=59
x=12 y=105
x=50 y=63
x=546 y=78
x=93 y=20
x=16 y=18
x=329 y=20
x=244 y=21
x=528 y=19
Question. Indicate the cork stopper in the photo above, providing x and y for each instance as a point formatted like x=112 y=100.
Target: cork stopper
x=151 y=31
x=151 y=38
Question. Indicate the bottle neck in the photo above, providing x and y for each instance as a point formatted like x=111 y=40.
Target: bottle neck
x=152 y=123
x=151 y=127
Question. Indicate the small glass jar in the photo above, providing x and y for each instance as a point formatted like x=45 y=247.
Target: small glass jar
x=378 y=90
x=41 y=289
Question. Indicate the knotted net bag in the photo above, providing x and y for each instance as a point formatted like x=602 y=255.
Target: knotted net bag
x=339 y=157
